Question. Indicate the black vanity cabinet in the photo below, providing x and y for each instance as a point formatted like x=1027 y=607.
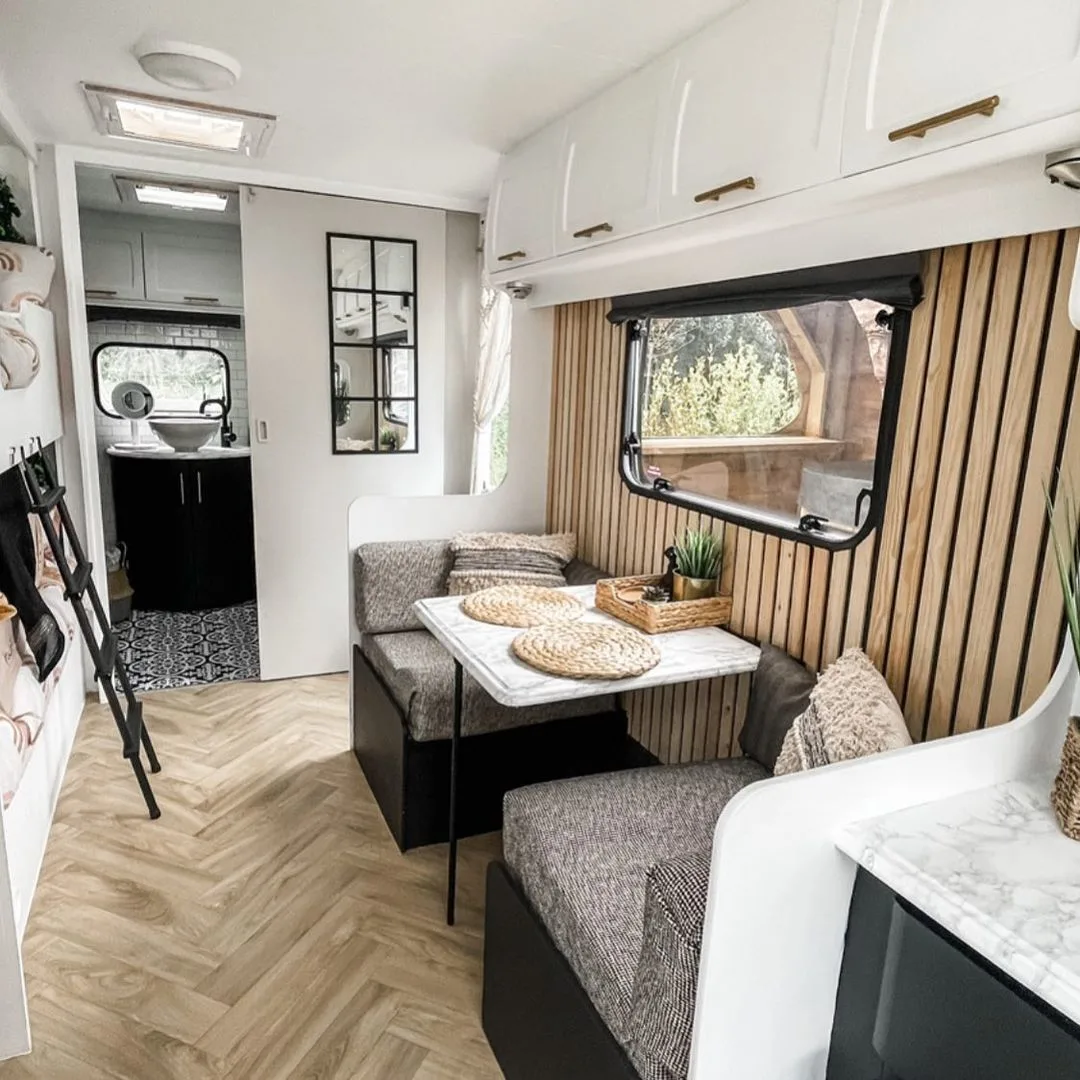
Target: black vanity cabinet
x=189 y=530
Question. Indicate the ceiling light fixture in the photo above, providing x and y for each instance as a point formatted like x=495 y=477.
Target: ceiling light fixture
x=182 y=198
x=127 y=114
x=185 y=66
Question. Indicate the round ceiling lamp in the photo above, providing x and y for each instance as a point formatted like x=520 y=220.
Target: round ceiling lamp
x=185 y=66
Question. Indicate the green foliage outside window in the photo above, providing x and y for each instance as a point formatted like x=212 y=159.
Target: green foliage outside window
x=500 y=437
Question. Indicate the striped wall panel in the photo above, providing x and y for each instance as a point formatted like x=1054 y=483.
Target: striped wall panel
x=955 y=597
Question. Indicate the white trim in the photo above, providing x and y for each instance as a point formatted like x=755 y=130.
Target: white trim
x=12 y=122
x=207 y=168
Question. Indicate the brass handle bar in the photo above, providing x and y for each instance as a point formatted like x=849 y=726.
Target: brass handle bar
x=592 y=230
x=983 y=107
x=713 y=194
x=202 y=299
x=101 y=292
x=510 y=256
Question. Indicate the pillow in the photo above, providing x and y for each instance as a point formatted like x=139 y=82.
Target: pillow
x=26 y=273
x=852 y=713
x=779 y=693
x=482 y=560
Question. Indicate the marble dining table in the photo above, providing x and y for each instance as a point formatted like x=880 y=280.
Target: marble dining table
x=483 y=650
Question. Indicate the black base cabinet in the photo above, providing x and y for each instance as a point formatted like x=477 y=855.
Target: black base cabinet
x=189 y=530
x=914 y=1003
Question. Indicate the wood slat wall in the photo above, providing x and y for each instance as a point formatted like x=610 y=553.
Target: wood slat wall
x=955 y=597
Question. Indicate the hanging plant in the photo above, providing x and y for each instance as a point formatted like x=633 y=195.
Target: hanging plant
x=9 y=211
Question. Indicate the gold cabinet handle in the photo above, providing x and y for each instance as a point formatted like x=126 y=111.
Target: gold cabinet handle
x=202 y=300
x=511 y=256
x=592 y=230
x=983 y=107
x=101 y=292
x=713 y=194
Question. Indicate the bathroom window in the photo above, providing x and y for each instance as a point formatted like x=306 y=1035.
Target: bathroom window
x=770 y=402
x=373 y=353
x=180 y=379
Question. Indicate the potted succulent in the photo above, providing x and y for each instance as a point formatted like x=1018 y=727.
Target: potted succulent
x=698 y=556
x=1065 y=794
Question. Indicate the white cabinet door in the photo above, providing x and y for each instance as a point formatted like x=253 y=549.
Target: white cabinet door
x=916 y=60
x=521 y=218
x=112 y=262
x=757 y=108
x=201 y=271
x=610 y=165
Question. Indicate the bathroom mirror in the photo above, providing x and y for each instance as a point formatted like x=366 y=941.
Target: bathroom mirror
x=373 y=349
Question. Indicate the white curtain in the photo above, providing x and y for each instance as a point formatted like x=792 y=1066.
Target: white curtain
x=492 y=379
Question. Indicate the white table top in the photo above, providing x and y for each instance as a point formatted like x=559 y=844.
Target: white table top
x=993 y=868
x=484 y=652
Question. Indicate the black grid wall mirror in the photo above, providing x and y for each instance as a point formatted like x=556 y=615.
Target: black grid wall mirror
x=373 y=356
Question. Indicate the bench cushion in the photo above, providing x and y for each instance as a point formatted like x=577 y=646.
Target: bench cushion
x=582 y=850
x=419 y=673
x=390 y=577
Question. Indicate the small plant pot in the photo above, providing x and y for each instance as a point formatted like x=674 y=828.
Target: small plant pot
x=1065 y=794
x=692 y=588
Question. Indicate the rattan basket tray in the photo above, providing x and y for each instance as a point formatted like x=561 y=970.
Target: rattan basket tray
x=621 y=597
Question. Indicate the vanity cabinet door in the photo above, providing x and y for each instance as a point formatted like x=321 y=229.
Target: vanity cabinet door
x=153 y=513
x=920 y=59
x=222 y=536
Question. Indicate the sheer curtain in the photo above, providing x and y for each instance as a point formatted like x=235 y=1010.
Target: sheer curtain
x=492 y=379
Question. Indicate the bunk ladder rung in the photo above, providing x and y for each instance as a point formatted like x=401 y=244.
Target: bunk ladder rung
x=79 y=588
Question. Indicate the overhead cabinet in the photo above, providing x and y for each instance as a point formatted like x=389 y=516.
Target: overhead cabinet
x=163 y=267
x=521 y=221
x=757 y=107
x=610 y=165
x=928 y=75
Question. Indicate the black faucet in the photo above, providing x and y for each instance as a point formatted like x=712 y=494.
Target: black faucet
x=228 y=436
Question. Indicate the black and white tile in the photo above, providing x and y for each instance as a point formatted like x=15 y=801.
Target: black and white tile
x=167 y=649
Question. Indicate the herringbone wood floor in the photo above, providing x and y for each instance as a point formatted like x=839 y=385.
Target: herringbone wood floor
x=266 y=928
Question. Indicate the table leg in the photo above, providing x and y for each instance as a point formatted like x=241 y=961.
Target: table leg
x=455 y=739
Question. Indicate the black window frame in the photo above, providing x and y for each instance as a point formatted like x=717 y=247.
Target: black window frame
x=381 y=403
x=895 y=281
x=96 y=374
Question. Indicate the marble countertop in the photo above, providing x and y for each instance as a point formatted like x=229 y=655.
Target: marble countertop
x=484 y=652
x=992 y=867
x=159 y=452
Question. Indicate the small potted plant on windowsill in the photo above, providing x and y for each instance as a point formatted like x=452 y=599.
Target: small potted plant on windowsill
x=698 y=557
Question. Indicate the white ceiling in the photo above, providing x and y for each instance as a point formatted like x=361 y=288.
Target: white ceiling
x=410 y=95
x=97 y=191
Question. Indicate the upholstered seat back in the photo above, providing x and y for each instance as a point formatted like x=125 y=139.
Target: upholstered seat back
x=389 y=577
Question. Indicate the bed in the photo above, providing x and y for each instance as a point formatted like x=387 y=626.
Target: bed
x=38 y=721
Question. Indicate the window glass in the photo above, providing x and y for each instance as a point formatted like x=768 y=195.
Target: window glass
x=179 y=379
x=772 y=417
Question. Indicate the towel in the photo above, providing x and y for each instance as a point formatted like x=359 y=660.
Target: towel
x=18 y=571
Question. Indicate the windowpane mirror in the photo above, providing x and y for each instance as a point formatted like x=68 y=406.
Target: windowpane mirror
x=775 y=418
x=373 y=354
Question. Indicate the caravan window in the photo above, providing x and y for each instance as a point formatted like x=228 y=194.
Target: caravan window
x=779 y=416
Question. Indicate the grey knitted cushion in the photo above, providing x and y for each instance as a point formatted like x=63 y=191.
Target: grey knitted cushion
x=390 y=577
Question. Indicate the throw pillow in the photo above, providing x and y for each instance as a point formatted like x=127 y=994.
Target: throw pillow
x=779 y=693
x=852 y=713
x=482 y=560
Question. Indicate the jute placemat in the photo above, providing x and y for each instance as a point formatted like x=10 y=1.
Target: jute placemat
x=521 y=605
x=586 y=651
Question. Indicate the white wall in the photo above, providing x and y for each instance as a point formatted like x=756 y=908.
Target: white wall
x=302 y=491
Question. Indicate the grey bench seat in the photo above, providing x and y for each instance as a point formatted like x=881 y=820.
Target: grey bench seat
x=616 y=867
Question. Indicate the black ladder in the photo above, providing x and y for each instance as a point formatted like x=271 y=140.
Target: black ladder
x=78 y=585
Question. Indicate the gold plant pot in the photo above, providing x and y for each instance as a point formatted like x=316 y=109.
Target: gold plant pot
x=693 y=588
x=1065 y=794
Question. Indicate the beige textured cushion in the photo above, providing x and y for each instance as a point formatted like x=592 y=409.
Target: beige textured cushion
x=482 y=560
x=852 y=713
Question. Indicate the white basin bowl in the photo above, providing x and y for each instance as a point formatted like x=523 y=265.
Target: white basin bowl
x=185 y=434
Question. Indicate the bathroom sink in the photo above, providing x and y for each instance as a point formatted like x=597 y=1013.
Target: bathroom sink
x=185 y=434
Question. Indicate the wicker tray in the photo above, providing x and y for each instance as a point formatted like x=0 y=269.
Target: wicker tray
x=621 y=597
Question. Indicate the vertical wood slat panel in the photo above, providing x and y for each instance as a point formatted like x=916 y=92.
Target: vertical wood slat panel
x=989 y=410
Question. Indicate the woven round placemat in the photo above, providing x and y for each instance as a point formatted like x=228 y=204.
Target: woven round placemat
x=521 y=605
x=587 y=651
